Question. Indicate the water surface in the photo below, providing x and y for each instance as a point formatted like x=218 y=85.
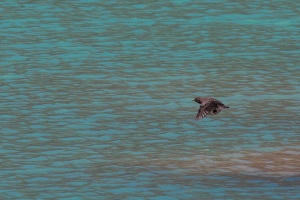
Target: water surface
x=96 y=100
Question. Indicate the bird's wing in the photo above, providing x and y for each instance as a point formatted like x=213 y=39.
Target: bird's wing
x=206 y=109
x=220 y=104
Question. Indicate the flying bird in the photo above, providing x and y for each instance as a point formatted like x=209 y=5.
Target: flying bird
x=208 y=106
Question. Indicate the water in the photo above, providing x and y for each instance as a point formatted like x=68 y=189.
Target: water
x=96 y=100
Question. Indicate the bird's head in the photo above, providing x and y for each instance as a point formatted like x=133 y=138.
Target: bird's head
x=197 y=99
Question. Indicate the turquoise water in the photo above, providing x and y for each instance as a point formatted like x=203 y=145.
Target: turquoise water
x=96 y=99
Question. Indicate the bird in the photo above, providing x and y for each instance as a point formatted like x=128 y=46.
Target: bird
x=208 y=106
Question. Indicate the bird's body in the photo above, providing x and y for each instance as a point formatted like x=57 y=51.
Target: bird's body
x=208 y=106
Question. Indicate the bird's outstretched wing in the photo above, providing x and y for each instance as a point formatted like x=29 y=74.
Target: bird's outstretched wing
x=205 y=110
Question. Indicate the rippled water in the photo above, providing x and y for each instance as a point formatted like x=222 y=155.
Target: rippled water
x=96 y=99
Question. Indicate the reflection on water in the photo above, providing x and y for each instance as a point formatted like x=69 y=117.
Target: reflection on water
x=96 y=100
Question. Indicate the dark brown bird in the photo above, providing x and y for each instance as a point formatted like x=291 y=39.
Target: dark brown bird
x=208 y=106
